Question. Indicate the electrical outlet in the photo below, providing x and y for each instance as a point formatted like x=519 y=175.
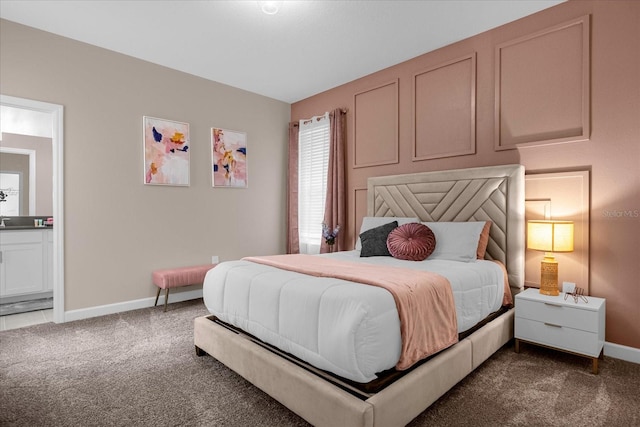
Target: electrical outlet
x=214 y=259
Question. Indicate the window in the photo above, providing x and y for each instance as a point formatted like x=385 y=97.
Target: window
x=313 y=162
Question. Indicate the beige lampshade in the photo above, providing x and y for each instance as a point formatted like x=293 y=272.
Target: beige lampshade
x=550 y=236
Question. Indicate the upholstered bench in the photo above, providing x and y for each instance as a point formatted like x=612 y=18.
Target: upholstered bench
x=176 y=277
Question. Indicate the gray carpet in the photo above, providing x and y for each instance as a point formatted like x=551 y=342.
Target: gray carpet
x=139 y=368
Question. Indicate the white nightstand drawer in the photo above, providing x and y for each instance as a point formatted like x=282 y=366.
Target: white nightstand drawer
x=561 y=337
x=558 y=314
x=561 y=324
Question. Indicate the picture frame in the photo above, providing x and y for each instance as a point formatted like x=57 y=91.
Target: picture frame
x=167 y=152
x=228 y=158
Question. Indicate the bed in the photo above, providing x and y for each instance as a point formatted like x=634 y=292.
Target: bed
x=493 y=194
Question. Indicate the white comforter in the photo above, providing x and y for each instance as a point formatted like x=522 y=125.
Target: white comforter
x=343 y=327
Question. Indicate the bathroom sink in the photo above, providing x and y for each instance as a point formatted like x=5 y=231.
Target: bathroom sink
x=19 y=223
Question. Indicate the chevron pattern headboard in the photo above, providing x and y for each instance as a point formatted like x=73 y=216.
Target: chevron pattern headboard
x=494 y=193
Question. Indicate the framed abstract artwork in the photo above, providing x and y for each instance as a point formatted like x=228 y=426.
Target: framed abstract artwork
x=166 y=152
x=228 y=158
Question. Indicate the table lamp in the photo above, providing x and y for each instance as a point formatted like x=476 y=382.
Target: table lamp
x=550 y=236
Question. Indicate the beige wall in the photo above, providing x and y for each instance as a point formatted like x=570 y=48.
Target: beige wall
x=44 y=170
x=611 y=155
x=118 y=230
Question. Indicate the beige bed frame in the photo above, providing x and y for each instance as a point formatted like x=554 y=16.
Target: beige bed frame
x=489 y=193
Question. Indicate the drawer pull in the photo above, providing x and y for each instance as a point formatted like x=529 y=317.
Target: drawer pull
x=552 y=305
x=551 y=324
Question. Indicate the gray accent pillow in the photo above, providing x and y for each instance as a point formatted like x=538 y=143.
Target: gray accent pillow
x=374 y=241
x=369 y=222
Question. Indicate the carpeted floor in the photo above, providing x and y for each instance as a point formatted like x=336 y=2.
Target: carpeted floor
x=139 y=368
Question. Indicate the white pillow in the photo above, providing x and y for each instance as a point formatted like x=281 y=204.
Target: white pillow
x=369 y=222
x=456 y=241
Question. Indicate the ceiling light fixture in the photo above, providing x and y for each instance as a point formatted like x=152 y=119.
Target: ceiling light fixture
x=270 y=7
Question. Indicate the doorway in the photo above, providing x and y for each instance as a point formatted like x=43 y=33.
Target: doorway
x=56 y=112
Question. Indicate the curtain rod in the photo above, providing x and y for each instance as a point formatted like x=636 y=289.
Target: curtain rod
x=305 y=121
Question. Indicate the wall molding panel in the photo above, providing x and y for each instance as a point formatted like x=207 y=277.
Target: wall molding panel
x=564 y=196
x=444 y=110
x=359 y=211
x=542 y=94
x=376 y=126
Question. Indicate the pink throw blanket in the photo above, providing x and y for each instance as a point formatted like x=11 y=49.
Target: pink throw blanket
x=507 y=298
x=424 y=300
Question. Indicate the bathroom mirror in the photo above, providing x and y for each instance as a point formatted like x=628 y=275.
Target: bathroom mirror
x=11 y=189
x=26 y=162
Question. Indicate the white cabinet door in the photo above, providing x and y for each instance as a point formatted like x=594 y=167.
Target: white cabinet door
x=22 y=263
x=48 y=278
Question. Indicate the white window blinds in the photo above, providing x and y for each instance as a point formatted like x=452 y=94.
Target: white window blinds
x=313 y=162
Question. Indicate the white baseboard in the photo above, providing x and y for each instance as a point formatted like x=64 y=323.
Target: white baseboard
x=617 y=351
x=102 y=310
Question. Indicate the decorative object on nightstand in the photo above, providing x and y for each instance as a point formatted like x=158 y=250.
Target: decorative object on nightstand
x=550 y=236
x=577 y=295
x=574 y=325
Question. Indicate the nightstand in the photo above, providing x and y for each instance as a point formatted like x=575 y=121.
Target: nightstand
x=565 y=325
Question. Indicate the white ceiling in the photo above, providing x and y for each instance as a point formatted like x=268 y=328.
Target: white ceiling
x=306 y=48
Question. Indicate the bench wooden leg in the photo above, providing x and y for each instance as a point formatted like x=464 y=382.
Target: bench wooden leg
x=157 y=295
x=166 y=298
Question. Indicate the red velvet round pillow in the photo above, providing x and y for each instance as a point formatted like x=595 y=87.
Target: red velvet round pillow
x=412 y=242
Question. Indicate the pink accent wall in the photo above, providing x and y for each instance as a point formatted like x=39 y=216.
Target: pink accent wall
x=591 y=122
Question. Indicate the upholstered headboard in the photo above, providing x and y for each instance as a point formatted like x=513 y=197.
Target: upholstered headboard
x=494 y=193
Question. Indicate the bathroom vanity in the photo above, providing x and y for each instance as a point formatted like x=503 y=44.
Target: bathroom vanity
x=26 y=263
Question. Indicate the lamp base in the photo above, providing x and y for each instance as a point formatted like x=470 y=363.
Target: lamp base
x=549 y=276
